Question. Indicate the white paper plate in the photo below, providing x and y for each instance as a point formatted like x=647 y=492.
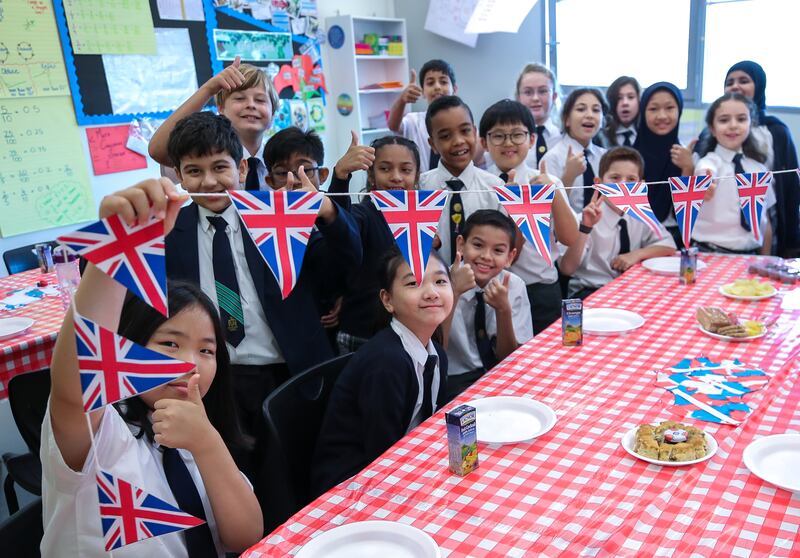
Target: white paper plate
x=732 y=339
x=610 y=321
x=775 y=459
x=628 y=442
x=668 y=265
x=11 y=327
x=508 y=420
x=370 y=539
x=740 y=297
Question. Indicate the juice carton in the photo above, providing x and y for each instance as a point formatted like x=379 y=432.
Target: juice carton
x=688 y=269
x=462 y=439
x=572 y=322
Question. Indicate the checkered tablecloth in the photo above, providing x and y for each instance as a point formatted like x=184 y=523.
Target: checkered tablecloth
x=31 y=351
x=575 y=491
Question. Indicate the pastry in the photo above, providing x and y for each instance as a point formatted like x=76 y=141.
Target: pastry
x=713 y=318
x=670 y=441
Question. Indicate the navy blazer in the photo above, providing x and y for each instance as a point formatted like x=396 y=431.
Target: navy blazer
x=294 y=321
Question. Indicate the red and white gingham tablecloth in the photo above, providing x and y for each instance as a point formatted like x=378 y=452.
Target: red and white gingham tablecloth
x=575 y=491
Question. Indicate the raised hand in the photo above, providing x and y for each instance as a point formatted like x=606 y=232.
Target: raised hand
x=412 y=92
x=512 y=177
x=461 y=276
x=228 y=79
x=182 y=423
x=542 y=177
x=593 y=211
x=496 y=293
x=574 y=166
x=682 y=157
x=155 y=196
x=357 y=157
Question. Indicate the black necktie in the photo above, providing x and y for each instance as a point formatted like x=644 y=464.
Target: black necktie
x=251 y=180
x=588 y=179
x=198 y=539
x=504 y=177
x=434 y=160
x=739 y=169
x=624 y=238
x=627 y=142
x=541 y=145
x=427 y=387
x=482 y=339
x=456 y=214
x=226 y=285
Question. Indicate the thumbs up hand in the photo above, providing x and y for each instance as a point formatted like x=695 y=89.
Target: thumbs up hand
x=357 y=157
x=462 y=277
x=182 y=422
x=496 y=293
x=412 y=92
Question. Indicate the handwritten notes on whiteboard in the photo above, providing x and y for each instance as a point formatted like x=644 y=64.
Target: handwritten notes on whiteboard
x=31 y=63
x=110 y=26
x=43 y=178
x=107 y=147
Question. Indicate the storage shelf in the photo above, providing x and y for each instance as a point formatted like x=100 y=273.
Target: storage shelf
x=379 y=57
x=373 y=91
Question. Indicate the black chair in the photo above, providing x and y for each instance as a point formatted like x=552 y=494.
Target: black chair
x=27 y=395
x=293 y=415
x=23 y=258
x=21 y=533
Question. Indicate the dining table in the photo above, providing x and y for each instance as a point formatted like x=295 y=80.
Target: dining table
x=574 y=490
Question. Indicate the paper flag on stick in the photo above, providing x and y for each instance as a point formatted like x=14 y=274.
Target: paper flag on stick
x=413 y=217
x=529 y=207
x=113 y=368
x=752 y=191
x=631 y=198
x=133 y=256
x=687 y=197
x=280 y=224
x=128 y=514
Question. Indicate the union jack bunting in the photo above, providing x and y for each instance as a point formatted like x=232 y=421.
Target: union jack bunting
x=128 y=514
x=631 y=198
x=752 y=190
x=133 y=256
x=280 y=224
x=113 y=368
x=529 y=206
x=413 y=217
x=687 y=197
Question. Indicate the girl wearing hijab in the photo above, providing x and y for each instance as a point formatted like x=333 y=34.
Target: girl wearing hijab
x=664 y=156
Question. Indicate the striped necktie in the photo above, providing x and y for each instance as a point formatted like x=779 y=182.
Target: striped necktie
x=226 y=284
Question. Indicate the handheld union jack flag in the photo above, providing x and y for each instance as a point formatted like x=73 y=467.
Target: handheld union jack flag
x=113 y=368
x=631 y=198
x=752 y=191
x=129 y=514
x=687 y=197
x=413 y=217
x=280 y=224
x=529 y=206
x=133 y=256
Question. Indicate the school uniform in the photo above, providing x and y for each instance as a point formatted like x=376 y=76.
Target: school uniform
x=625 y=135
x=548 y=135
x=259 y=172
x=719 y=222
x=556 y=160
x=413 y=127
x=377 y=399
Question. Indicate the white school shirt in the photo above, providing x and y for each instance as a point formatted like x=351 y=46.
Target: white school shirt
x=419 y=354
x=259 y=346
x=462 y=347
x=556 y=160
x=70 y=502
x=603 y=246
x=262 y=167
x=552 y=137
x=718 y=221
x=413 y=127
x=621 y=134
x=764 y=143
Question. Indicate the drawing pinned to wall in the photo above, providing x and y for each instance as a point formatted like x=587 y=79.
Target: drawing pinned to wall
x=261 y=9
x=308 y=7
x=282 y=118
x=280 y=19
x=449 y=19
x=43 y=178
x=316 y=114
x=252 y=46
x=109 y=151
x=182 y=10
x=31 y=64
x=299 y=114
x=102 y=27
x=499 y=16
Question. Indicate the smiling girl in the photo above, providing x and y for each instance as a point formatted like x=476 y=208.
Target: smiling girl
x=537 y=89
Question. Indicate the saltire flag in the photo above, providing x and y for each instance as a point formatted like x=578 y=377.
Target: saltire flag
x=687 y=197
x=413 y=217
x=133 y=256
x=128 y=514
x=113 y=368
x=280 y=225
x=752 y=191
x=529 y=206
x=631 y=198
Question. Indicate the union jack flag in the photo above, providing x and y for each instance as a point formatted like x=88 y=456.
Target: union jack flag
x=113 y=368
x=687 y=197
x=280 y=224
x=631 y=197
x=129 y=514
x=413 y=217
x=752 y=190
x=133 y=256
x=529 y=206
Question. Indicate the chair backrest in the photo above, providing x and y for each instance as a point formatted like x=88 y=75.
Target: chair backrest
x=293 y=415
x=21 y=533
x=23 y=258
x=27 y=395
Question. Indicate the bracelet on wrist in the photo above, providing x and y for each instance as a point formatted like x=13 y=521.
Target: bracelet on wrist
x=584 y=229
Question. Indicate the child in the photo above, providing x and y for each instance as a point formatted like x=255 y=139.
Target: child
x=186 y=426
x=609 y=242
x=436 y=79
x=575 y=159
x=507 y=132
x=490 y=317
x=537 y=89
x=730 y=149
x=394 y=382
x=623 y=101
x=245 y=95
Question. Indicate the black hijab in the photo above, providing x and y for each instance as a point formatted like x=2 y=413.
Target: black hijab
x=759 y=77
x=655 y=151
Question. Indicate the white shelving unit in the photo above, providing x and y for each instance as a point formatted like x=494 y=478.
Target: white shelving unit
x=349 y=73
